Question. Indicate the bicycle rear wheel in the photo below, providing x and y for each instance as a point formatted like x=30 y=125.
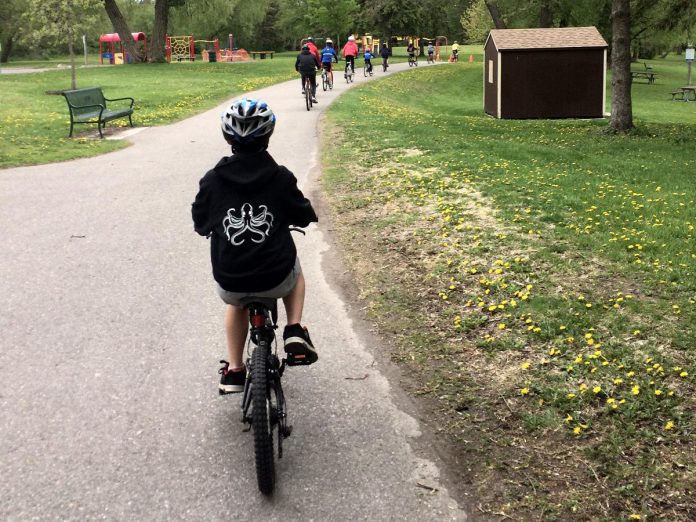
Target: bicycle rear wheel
x=324 y=81
x=365 y=71
x=308 y=94
x=262 y=416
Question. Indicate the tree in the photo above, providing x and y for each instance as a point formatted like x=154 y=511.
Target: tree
x=477 y=22
x=61 y=21
x=10 y=25
x=621 y=108
x=331 y=17
x=159 y=32
x=121 y=27
x=495 y=14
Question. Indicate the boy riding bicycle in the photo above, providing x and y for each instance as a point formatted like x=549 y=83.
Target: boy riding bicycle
x=245 y=204
x=368 y=59
x=328 y=54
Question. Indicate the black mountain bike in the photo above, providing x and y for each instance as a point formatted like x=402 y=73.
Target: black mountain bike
x=412 y=60
x=263 y=401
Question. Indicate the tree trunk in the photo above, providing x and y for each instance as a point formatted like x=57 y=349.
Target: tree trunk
x=545 y=14
x=71 y=52
x=159 y=31
x=6 y=48
x=621 y=109
x=495 y=14
x=121 y=27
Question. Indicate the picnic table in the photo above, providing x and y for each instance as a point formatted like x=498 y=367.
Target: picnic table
x=646 y=75
x=684 y=93
x=262 y=54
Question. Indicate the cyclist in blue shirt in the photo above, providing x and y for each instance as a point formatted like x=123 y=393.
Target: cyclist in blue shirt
x=328 y=53
x=368 y=59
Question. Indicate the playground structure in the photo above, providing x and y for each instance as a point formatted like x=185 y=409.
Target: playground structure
x=107 y=48
x=183 y=49
x=370 y=42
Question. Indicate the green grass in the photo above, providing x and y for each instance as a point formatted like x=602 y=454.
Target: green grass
x=34 y=124
x=547 y=265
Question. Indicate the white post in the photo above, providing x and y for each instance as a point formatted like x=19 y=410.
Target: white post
x=84 y=46
x=689 y=59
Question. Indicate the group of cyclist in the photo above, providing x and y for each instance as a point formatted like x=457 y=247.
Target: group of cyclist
x=312 y=59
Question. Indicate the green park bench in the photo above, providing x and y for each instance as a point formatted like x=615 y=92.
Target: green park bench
x=89 y=106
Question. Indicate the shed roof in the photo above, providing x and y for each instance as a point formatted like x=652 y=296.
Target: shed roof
x=547 y=38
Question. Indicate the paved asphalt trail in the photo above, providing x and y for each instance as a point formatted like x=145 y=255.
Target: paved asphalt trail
x=110 y=335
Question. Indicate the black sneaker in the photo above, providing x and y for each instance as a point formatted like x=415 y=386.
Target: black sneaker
x=298 y=345
x=231 y=381
x=314 y=100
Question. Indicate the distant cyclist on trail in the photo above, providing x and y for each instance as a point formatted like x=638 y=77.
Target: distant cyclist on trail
x=455 y=51
x=384 y=53
x=307 y=65
x=313 y=48
x=431 y=51
x=350 y=52
x=411 y=49
x=328 y=54
x=368 y=59
x=245 y=204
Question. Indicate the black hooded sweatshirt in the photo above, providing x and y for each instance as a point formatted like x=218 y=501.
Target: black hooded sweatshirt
x=246 y=203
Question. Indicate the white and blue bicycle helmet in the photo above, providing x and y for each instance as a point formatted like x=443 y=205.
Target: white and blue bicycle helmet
x=248 y=120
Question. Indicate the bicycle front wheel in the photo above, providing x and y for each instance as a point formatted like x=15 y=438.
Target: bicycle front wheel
x=262 y=419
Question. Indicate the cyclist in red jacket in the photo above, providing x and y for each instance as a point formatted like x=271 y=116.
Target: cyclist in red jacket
x=313 y=48
x=350 y=52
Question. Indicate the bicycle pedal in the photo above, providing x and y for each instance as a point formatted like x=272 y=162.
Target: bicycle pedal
x=287 y=431
x=297 y=359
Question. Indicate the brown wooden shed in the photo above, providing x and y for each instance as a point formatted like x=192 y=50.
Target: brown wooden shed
x=545 y=73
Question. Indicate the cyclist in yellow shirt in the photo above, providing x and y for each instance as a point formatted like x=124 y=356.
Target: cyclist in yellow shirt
x=455 y=51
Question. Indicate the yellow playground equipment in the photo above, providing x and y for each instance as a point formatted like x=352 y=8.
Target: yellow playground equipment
x=371 y=43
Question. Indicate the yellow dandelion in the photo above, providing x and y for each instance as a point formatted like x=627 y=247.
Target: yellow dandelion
x=597 y=389
x=669 y=425
x=524 y=391
x=524 y=365
x=635 y=390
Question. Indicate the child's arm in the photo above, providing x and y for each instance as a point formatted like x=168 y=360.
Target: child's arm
x=199 y=209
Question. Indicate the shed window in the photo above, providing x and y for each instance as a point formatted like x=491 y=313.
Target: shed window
x=490 y=71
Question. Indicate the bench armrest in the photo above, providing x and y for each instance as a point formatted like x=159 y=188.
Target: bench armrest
x=132 y=101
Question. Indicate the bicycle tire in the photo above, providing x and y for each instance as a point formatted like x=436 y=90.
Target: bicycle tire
x=365 y=71
x=261 y=421
x=308 y=95
x=324 y=82
x=330 y=80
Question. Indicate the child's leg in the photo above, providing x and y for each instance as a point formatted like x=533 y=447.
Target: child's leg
x=294 y=302
x=236 y=327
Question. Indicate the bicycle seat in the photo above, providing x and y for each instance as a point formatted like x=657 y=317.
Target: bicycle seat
x=268 y=303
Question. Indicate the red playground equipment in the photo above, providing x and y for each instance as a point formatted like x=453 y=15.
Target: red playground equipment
x=108 y=51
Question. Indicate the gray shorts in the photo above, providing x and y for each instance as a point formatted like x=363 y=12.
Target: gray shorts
x=282 y=290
